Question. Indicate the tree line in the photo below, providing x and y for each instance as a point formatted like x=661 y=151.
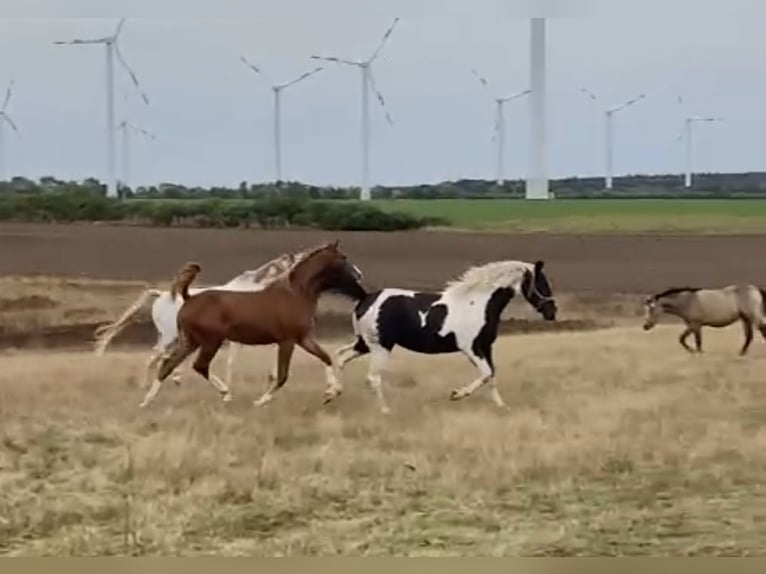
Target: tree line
x=706 y=185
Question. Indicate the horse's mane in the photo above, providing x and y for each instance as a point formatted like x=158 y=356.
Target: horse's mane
x=309 y=253
x=676 y=291
x=259 y=274
x=493 y=274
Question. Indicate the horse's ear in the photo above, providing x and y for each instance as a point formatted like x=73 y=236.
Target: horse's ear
x=335 y=244
x=539 y=266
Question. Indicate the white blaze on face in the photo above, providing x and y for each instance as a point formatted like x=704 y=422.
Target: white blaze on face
x=651 y=312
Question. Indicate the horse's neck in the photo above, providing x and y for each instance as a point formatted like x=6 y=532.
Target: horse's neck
x=307 y=278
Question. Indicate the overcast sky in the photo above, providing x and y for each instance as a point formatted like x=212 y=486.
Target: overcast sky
x=213 y=117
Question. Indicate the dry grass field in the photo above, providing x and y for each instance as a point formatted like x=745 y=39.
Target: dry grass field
x=616 y=441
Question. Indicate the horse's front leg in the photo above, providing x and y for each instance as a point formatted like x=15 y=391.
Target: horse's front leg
x=682 y=339
x=284 y=355
x=486 y=370
x=334 y=388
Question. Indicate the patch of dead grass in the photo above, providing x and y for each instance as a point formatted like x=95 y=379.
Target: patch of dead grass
x=616 y=443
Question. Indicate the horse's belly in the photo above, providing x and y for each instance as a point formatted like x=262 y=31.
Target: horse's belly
x=428 y=343
x=720 y=319
x=251 y=336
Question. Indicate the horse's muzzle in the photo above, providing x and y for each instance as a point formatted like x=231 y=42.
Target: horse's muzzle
x=549 y=312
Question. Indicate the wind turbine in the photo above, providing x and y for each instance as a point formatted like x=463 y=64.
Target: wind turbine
x=5 y=119
x=277 y=90
x=686 y=135
x=125 y=128
x=537 y=186
x=112 y=50
x=368 y=81
x=499 y=135
x=609 y=130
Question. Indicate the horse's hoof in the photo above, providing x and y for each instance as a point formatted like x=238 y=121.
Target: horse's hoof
x=330 y=396
x=455 y=395
x=226 y=398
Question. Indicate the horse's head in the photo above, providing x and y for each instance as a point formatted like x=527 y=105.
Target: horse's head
x=328 y=268
x=537 y=291
x=652 y=312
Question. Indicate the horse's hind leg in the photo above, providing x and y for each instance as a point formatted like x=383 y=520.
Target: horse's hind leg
x=173 y=357
x=698 y=338
x=201 y=365
x=748 y=327
x=284 y=355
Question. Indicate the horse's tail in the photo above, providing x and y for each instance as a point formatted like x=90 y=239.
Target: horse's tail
x=182 y=281
x=105 y=333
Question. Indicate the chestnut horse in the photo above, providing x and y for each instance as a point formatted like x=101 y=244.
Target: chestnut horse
x=282 y=313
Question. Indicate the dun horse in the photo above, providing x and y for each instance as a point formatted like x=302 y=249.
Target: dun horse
x=710 y=308
x=282 y=313
x=463 y=317
x=166 y=304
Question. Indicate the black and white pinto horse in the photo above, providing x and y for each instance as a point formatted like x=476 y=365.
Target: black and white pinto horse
x=463 y=317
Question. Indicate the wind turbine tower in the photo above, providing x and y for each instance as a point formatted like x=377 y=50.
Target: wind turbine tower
x=537 y=177
x=687 y=135
x=368 y=82
x=5 y=119
x=112 y=50
x=609 y=132
x=125 y=129
x=277 y=90
x=499 y=135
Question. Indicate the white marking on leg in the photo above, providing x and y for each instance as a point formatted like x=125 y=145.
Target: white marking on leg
x=486 y=375
x=220 y=387
x=341 y=351
x=153 y=390
x=495 y=394
x=334 y=388
x=233 y=348
x=151 y=365
x=378 y=361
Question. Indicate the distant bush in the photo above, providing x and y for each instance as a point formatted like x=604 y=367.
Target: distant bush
x=266 y=212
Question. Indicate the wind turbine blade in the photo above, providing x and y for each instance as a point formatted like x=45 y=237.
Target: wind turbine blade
x=8 y=119
x=516 y=95
x=117 y=31
x=131 y=73
x=299 y=78
x=79 y=41
x=8 y=94
x=335 y=60
x=250 y=65
x=589 y=94
x=384 y=40
x=481 y=78
x=380 y=98
x=628 y=103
